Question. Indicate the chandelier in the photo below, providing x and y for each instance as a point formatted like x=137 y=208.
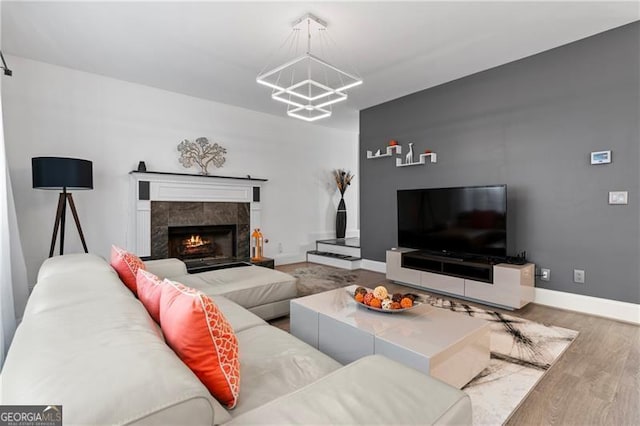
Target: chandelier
x=307 y=84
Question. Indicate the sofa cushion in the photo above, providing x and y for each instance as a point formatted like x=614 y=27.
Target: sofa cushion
x=199 y=333
x=274 y=363
x=166 y=268
x=73 y=263
x=396 y=394
x=66 y=290
x=239 y=318
x=248 y=286
x=149 y=289
x=126 y=265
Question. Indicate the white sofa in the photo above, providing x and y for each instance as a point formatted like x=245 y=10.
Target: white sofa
x=87 y=343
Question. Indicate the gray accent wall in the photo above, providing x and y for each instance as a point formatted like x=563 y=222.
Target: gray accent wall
x=530 y=124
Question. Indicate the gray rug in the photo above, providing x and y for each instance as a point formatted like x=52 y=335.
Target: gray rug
x=521 y=350
x=316 y=279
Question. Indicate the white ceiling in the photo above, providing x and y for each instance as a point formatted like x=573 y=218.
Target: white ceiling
x=214 y=50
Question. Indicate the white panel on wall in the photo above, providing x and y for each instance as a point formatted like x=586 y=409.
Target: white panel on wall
x=143 y=223
x=183 y=192
x=50 y=110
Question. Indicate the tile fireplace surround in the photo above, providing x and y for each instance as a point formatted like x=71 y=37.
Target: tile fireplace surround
x=166 y=214
x=159 y=200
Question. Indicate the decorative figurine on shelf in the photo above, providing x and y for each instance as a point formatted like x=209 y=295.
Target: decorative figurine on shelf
x=377 y=154
x=393 y=142
x=202 y=153
x=343 y=180
x=257 y=242
x=409 y=157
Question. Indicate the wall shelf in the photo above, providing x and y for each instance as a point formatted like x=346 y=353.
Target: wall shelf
x=433 y=158
x=389 y=152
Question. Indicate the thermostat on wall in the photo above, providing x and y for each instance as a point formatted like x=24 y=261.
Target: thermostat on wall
x=600 y=157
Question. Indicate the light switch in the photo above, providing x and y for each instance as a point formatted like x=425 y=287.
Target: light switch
x=618 y=197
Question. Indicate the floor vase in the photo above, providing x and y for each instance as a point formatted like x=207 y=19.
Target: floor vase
x=341 y=219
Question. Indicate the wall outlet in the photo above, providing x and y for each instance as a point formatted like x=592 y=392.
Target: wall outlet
x=578 y=276
x=545 y=274
x=618 y=197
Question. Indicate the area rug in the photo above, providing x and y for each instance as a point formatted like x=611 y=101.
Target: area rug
x=521 y=353
x=521 y=350
x=316 y=279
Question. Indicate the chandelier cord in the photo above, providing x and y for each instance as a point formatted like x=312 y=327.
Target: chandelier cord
x=293 y=71
x=273 y=53
x=308 y=35
x=343 y=52
x=322 y=43
x=294 y=41
x=324 y=70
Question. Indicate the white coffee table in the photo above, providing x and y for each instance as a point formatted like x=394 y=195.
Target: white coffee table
x=449 y=346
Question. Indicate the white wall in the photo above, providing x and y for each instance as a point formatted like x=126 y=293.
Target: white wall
x=55 y=111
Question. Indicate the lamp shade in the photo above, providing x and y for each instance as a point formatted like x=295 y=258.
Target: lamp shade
x=61 y=172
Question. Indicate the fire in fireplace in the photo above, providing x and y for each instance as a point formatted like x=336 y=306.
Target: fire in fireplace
x=195 y=245
x=200 y=242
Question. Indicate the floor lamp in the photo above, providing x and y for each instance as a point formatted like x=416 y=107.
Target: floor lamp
x=62 y=174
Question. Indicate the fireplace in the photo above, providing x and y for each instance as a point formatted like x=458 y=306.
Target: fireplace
x=160 y=200
x=203 y=241
x=222 y=228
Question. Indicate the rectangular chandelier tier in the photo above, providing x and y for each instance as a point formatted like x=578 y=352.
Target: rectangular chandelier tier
x=308 y=84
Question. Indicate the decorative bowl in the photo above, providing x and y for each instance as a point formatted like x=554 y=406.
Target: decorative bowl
x=388 y=311
x=386 y=295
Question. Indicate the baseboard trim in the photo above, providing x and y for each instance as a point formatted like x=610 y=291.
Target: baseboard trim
x=288 y=258
x=614 y=309
x=374 y=265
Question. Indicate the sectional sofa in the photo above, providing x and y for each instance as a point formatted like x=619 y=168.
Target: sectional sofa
x=87 y=342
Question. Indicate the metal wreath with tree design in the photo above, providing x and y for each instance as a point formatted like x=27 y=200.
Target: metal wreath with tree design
x=202 y=153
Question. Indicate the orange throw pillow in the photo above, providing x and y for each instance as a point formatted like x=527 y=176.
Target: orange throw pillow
x=202 y=337
x=126 y=265
x=149 y=290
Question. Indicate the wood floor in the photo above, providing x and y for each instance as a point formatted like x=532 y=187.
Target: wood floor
x=595 y=382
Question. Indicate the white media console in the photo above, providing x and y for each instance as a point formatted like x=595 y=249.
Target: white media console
x=502 y=284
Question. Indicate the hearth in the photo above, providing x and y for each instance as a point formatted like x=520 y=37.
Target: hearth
x=203 y=242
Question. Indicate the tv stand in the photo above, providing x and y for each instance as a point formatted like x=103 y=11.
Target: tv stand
x=445 y=255
x=485 y=280
x=473 y=268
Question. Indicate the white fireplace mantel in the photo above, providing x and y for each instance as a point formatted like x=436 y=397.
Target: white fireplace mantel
x=146 y=187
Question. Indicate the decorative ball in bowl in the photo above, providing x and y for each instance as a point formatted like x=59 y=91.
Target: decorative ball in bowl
x=379 y=299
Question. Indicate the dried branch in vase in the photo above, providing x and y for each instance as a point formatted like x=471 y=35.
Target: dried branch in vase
x=202 y=153
x=343 y=179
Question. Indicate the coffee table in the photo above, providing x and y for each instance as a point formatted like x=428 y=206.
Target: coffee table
x=449 y=346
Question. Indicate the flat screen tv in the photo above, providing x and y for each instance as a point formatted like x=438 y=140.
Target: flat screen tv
x=466 y=221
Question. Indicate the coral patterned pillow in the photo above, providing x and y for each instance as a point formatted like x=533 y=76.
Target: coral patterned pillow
x=126 y=265
x=149 y=290
x=202 y=337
